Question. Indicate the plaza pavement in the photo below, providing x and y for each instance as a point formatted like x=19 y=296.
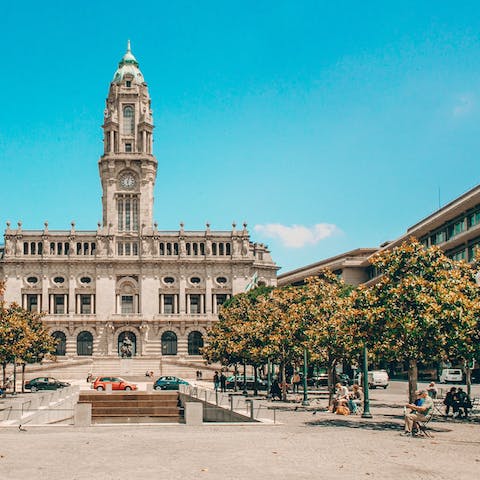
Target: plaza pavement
x=305 y=445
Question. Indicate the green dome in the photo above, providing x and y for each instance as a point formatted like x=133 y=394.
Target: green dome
x=128 y=65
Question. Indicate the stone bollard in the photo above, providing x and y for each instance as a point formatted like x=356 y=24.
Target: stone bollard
x=83 y=415
x=149 y=387
x=194 y=413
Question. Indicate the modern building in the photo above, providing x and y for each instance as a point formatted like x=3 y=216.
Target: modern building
x=455 y=228
x=126 y=278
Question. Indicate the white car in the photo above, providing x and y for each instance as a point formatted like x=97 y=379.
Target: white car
x=451 y=375
x=376 y=378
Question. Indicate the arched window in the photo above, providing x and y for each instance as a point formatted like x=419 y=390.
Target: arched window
x=128 y=121
x=127 y=344
x=85 y=344
x=195 y=343
x=61 y=339
x=169 y=343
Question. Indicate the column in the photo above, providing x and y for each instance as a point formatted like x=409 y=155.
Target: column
x=135 y=304
x=51 y=310
x=119 y=305
x=182 y=296
x=78 y=310
x=112 y=139
x=202 y=303
x=208 y=294
x=24 y=301
x=92 y=303
x=161 y=303
x=187 y=309
x=65 y=303
x=39 y=303
x=214 y=304
x=175 y=303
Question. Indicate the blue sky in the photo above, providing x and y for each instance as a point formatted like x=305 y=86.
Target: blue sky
x=327 y=126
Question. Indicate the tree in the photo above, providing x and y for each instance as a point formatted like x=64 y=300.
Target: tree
x=412 y=314
x=325 y=309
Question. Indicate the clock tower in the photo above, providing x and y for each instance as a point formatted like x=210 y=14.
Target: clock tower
x=128 y=167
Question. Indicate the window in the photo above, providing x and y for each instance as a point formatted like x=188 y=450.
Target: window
x=128 y=121
x=195 y=280
x=162 y=248
x=195 y=343
x=440 y=237
x=32 y=303
x=128 y=147
x=127 y=304
x=169 y=343
x=32 y=280
x=221 y=298
x=169 y=280
x=127 y=209
x=61 y=343
x=25 y=248
x=475 y=219
x=128 y=83
x=59 y=280
x=214 y=248
x=221 y=280
x=85 y=304
x=120 y=248
x=221 y=250
x=59 y=304
x=195 y=304
x=168 y=304
x=32 y=248
x=458 y=227
x=461 y=255
x=85 y=280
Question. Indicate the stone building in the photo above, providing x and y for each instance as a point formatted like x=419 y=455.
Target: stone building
x=127 y=278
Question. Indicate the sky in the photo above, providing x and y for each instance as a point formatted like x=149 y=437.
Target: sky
x=326 y=126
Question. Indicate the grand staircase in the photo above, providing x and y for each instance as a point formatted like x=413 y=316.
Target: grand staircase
x=134 y=407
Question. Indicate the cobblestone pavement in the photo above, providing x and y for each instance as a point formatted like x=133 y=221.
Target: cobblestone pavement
x=309 y=445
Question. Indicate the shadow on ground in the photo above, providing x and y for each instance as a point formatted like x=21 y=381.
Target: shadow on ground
x=383 y=425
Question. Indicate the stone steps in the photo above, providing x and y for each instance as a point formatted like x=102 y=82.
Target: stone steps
x=134 y=407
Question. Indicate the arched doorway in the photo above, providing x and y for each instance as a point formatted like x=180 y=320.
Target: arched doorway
x=195 y=343
x=85 y=344
x=127 y=344
x=169 y=343
x=61 y=347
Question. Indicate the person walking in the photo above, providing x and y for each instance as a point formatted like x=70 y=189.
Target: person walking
x=275 y=390
x=216 y=381
x=296 y=380
x=223 y=382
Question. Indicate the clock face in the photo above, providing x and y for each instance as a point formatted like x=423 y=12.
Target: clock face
x=127 y=181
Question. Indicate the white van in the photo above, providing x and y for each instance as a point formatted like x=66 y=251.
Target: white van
x=376 y=378
x=451 y=375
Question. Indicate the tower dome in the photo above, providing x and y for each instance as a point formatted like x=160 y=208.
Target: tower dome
x=128 y=65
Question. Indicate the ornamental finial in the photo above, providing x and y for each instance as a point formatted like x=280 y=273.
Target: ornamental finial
x=128 y=46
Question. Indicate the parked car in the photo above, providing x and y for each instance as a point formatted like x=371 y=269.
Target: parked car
x=454 y=375
x=117 y=383
x=476 y=375
x=44 y=383
x=230 y=382
x=169 y=383
x=376 y=378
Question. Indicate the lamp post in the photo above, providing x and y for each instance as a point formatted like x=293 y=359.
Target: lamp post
x=366 y=401
x=269 y=378
x=245 y=392
x=305 y=401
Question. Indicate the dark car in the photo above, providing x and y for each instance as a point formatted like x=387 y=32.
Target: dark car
x=169 y=383
x=230 y=382
x=44 y=383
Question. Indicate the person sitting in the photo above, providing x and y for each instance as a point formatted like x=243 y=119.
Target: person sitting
x=420 y=413
x=432 y=390
x=341 y=396
x=463 y=403
x=450 y=401
x=355 y=399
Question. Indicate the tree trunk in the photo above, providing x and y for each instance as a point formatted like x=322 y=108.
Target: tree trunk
x=4 y=367
x=331 y=382
x=284 y=382
x=14 y=375
x=255 y=380
x=23 y=377
x=412 y=379
x=468 y=378
x=235 y=382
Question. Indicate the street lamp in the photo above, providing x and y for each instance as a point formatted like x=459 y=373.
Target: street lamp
x=245 y=392
x=366 y=401
x=305 y=401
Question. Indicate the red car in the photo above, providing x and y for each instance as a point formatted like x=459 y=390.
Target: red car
x=117 y=383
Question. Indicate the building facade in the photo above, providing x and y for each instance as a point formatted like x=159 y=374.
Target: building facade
x=455 y=228
x=127 y=278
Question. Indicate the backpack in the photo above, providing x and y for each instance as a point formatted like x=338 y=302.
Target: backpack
x=342 y=410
